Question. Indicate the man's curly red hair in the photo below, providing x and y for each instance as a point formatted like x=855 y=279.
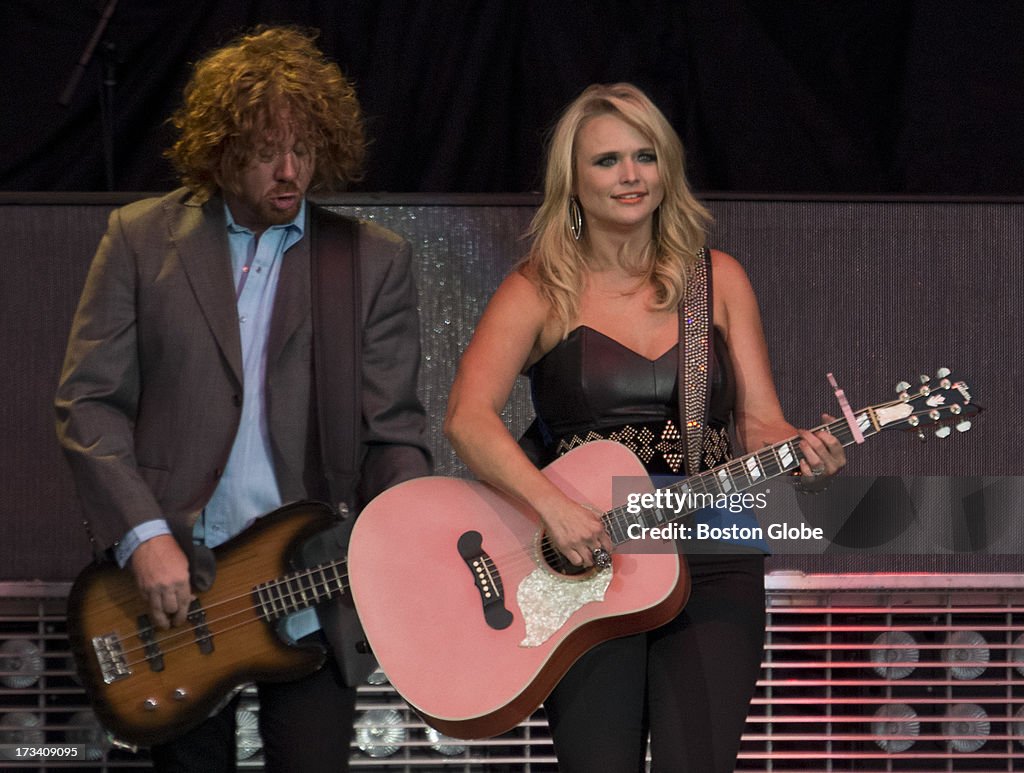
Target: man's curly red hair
x=237 y=95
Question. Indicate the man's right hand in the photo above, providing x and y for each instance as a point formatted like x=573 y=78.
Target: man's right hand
x=161 y=573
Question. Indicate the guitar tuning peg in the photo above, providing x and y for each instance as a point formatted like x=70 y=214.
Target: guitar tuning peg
x=924 y=379
x=963 y=426
x=903 y=386
x=942 y=432
x=921 y=436
x=943 y=372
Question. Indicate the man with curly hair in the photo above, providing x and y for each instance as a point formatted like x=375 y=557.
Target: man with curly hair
x=188 y=403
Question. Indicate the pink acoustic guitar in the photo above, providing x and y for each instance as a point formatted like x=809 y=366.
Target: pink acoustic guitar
x=474 y=617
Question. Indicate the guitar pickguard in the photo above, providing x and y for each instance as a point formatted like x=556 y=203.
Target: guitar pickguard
x=547 y=600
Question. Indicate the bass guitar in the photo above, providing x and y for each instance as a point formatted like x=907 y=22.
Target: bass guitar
x=147 y=685
x=474 y=616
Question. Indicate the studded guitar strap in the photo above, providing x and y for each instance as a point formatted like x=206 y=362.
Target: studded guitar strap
x=695 y=359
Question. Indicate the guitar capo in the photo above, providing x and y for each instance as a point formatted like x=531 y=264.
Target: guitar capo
x=858 y=436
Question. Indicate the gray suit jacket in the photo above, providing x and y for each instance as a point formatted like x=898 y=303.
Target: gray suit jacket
x=151 y=391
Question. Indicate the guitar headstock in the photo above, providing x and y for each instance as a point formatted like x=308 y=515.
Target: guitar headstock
x=943 y=403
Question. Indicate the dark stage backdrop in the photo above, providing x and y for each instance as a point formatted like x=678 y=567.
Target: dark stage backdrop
x=919 y=96
x=874 y=291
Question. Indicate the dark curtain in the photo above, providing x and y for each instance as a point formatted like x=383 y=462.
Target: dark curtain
x=919 y=96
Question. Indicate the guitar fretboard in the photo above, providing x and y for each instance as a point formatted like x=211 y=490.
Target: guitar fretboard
x=300 y=590
x=733 y=477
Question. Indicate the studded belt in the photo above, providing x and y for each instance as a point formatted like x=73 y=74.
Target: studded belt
x=658 y=444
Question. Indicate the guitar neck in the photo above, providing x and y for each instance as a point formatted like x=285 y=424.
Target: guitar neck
x=300 y=590
x=681 y=499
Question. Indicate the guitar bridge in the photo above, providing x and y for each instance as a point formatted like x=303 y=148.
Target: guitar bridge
x=487 y=580
x=110 y=656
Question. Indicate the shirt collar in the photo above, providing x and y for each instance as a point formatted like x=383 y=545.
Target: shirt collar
x=298 y=222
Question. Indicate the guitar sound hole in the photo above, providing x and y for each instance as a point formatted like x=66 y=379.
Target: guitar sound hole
x=557 y=561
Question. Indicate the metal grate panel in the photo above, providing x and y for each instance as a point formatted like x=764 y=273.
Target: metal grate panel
x=861 y=672
x=890 y=673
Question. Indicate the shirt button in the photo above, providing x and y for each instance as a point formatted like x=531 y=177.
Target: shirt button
x=242 y=319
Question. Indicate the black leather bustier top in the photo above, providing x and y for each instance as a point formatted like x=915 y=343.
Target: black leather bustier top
x=590 y=382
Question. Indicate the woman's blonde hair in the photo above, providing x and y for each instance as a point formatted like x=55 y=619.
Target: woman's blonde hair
x=234 y=99
x=556 y=260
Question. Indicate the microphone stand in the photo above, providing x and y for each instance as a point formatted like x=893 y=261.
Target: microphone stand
x=109 y=85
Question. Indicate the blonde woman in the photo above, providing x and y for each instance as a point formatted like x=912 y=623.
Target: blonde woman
x=591 y=315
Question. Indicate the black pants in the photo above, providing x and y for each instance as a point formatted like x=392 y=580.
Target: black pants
x=306 y=727
x=689 y=682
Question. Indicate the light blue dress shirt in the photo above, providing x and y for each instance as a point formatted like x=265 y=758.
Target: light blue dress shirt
x=248 y=486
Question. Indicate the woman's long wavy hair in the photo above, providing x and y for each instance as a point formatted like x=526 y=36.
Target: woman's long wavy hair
x=236 y=96
x=557 y=262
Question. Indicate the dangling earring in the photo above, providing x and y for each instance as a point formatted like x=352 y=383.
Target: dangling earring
x=575 y=218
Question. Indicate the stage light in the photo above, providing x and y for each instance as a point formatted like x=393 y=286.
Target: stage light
x=69 y=665
x=1018 y=653
x=248 y=742
x=965 y=719
x=1017 y=728
x=19 y=728
x=895 y=719
x=85 y=731
x=968 y=647
x=443 y=744
x=899 y=647
x=377 y=678
x=21 y=663
x=379 y=732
